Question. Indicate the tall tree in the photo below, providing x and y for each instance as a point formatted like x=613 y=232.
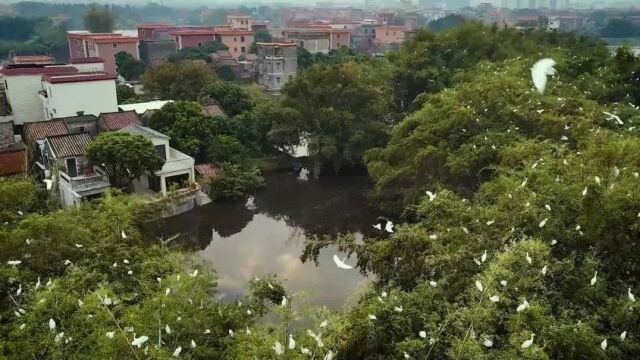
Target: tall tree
x=99 y=20
x=129 y=156
x=129 y=67
x=182 y=81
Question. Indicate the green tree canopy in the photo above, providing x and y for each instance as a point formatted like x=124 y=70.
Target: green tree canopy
x=231 y=97
x=178 y=81
x=129 y=67
x=99 y=20
x=128 y=156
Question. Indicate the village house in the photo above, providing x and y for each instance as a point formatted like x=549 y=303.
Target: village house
x=177 y=170
x=78 y=94
x=65 y=159
x=83 y=44
x=13 y=152
x=277 y=63
x=113 y=121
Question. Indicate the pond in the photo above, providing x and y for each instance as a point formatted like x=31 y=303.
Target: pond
x=265 y=234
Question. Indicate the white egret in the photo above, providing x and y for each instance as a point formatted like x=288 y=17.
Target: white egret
x=14 y=262
x=292 y=342
x=431 y=195
x=315 y=337
x=483 y=258
x=278 y=348
x=584 y=192
x=524 y=183
x=623 y=335
x=406 y=356
x=177 y=351
x=340 y=263
x=527 y=344
x=208 y=331
x=372 y=317
x=67 y=262
x=630 y=295
x=19 y=291
x=548 y=207
x=433 y=283
x=397 y=309
x=247 y=331
x=553 y=242
x=603 y=345
x=49 y=183
x=193 y=344
x=283 y=303
x=324 y=324
x=544 y=270
x=597 y=179
x=378 y=226
x=37 y=283
x=528 y=258
x=487 y=342
x=494 y=298
x=52 y=324
x=422 y=334
x=594 y=278
x=539 y=72
x=522 y=307
x=139 y=341
x=389 y=227
x=79 y=246
x=167 y=329
x=615 y=117
x=124 y=236
x=230 y=332
x=80 y=303
x=543 y=223
x=305 y=351
x=328 y=355
x=503 y=282
x=479 y=286
x=110 y=334
x=194 y=273
x=490 y=222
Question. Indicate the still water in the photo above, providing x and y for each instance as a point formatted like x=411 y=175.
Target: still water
x=267 y=234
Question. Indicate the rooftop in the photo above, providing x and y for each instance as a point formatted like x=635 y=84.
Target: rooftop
x=69 y=144
x=86 y=60
x=213 y=110
x=79 y=77
x=118 y=120
x=103 y=37
x=208 y=170
x=187 y=32
x=143 y=131
x=142 y=108
x=21 y=70
x=39 y=130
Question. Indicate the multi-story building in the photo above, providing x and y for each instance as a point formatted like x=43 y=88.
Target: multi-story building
x=77 y=94
x=318 y=39
x=276 y=64
x=239 y=22
x=102 y=45
x=237 y=41
x=362 y=38
x=156 y=45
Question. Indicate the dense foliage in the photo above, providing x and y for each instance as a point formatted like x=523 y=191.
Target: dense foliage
x=129 y=67
x=182 y=81
x=99 y=20
x=33 y=36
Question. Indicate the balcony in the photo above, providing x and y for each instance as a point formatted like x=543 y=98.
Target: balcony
x=87 y=184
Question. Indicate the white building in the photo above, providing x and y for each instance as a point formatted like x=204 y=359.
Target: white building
x=178 y=167
x=21 y=87
x=77 y=94
x=28 y=89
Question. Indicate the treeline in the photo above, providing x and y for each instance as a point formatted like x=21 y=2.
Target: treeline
x=33 y=36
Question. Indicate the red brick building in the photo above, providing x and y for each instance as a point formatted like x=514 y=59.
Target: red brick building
x=13 y=154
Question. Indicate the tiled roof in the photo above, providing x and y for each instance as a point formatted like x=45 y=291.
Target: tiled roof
x=207 y=170
x=39 y=130
x=79 y=118
x=37 y=70
x=119 y=120
x=213 y=110
x=69 y=145
x=143 y=131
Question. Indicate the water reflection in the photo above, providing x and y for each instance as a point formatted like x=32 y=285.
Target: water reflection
x=267 y=234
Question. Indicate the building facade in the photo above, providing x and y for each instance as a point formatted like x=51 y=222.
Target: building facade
x=77 y=94
x=276 y=64
x=102 y=45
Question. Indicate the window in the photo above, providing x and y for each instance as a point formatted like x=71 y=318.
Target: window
x=241 y=38
x=242 y=49
x=161 y=151
x=235 y=49
x=199 y=44
x=338 y=36
x=115 y=46
x=278 y=79
x=235 y=39
x=386 y=33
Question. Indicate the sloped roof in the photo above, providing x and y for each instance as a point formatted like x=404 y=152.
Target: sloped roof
x=143 y=131
x=69 y=145
x=39 y=130
x=208 y=170
x=119 y=120
x=213 y=110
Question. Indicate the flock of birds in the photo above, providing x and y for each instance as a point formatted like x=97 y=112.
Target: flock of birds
x=539 y=73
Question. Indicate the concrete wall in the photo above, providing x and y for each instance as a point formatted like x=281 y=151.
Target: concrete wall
x=236 y=43
x=92 y=97
x=390 y=35
x=276 y=65
x=340 y=39
x=108 y=52
x=22 y=94
x=92 y=67
x=187 y=41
